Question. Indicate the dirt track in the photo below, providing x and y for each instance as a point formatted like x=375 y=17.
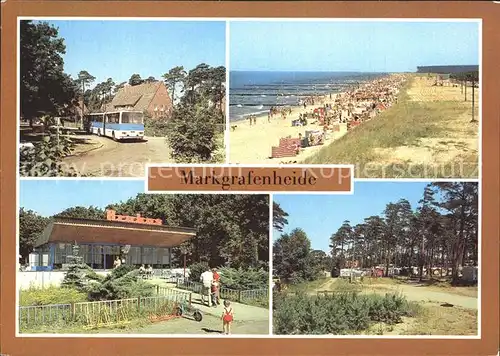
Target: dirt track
x=119 y=159
x=415 y=293
x=459 y=137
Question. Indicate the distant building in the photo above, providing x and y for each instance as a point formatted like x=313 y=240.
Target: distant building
x=152 y=98
x=448 y=69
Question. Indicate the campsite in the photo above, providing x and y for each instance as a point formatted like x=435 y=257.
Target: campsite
x=410 y=270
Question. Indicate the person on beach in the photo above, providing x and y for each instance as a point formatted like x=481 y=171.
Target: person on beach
x=227 y=317
x=269 y=116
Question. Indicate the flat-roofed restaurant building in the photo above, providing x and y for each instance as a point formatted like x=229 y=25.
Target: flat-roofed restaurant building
x=148 y=241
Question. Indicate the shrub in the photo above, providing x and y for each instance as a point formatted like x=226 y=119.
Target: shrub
x=119 y=272
x=121 y=283
x=50 y=295
x=191 y=133
x=244 y=279
x=337 y=314
x=155 y=127
x=80 y=277
x=45 y=158
x=196 y=269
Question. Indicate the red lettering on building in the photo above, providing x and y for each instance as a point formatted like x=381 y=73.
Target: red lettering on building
x=112 y=216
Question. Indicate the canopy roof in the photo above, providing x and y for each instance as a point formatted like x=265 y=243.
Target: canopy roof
x=85 y=231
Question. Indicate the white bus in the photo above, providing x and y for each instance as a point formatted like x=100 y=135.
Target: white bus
x=118 y=125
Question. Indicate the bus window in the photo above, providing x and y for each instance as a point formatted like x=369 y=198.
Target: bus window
x=132 y=118
x=112 y=118
x=95 y=117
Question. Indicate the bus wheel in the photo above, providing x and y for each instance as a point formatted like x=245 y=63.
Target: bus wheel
x=114 y=138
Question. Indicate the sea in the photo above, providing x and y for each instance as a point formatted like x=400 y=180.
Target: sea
x=252 y=92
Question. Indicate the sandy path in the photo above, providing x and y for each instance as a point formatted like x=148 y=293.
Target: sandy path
x=413 y=293
x=252 y=144
x=460 y=137
x=425 y=294
x=120 y=159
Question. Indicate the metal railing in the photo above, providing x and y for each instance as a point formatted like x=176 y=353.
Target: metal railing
x=240 y=296
x=101 y=313
x=39 y=315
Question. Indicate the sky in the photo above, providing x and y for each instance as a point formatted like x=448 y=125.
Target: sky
x=353 y=46
x=118 y=49
x=49 y=197
x=321 y=215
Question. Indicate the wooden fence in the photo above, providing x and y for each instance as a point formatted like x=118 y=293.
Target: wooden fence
x=101 y=313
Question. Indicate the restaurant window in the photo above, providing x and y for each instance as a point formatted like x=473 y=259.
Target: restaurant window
x=166 y=256
x=148 y=256
x=98 y=259
x=59 y=252
x=134 y=256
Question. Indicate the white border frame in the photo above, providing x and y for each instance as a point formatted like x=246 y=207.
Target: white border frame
x=237 y=167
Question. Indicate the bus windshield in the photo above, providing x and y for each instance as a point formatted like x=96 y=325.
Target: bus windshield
x=132 y=117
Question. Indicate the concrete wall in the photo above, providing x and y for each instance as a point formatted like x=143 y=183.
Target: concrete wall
x=45 y=279
x=42 y=279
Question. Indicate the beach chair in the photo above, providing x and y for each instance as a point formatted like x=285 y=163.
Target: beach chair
x=287 y=148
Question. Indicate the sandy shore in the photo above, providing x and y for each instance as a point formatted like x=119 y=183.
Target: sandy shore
x=252 y=144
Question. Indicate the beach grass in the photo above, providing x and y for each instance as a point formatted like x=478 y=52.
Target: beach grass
x=422 y=128
x=436 y=320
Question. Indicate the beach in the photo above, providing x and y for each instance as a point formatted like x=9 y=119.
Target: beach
x=253 y=142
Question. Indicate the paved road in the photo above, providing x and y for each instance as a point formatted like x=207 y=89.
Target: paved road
x=209 y=325
x=120 y=159
x=247 y=320
x=242 y=312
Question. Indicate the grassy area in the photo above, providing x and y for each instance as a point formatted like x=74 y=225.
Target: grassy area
x=50 y=295
x=436 y=320
x=307 y=286
x=339 y=314
x=406 y=124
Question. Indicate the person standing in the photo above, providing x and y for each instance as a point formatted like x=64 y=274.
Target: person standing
x=227 y=317
x=207 y=279
x=216 y=285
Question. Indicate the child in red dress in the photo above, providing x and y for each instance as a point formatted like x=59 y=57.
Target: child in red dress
x=227 y=318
